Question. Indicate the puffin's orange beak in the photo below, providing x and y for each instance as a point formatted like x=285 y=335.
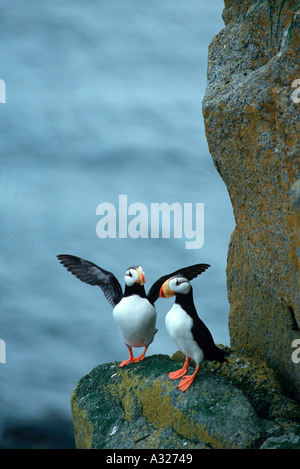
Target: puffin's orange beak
x=141 y=277
x=165 y=291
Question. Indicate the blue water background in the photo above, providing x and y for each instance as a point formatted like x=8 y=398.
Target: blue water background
x=102 y=98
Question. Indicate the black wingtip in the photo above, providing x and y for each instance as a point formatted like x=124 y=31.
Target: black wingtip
x=66 y=256
x=192 y=271
x=62 y=257
x=66 y=259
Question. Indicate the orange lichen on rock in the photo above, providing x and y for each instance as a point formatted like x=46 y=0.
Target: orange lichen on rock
x=251 y=125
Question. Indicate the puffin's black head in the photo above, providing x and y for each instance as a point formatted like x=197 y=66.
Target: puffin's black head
x=174 y=285
x=134 y=275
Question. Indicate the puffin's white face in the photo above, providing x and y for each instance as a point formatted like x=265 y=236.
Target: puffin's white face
x=134 y=275
x=174 y=285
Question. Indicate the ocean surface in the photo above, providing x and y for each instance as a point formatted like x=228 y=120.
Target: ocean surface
x=103 y=98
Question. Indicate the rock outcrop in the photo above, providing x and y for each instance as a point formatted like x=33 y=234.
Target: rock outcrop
x=252 y=128
x=238 y=404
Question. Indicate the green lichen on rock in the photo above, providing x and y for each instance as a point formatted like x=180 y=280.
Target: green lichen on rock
x=140 y=407
x=257 y=381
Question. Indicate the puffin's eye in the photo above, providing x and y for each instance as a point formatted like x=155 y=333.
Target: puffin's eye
x=130 y=274
x=177 y=282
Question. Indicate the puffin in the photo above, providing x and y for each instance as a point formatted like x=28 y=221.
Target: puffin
x=187 y=330
x=133 y=310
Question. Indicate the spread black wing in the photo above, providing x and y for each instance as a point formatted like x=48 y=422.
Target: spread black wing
x=93 y=275
x=188 y=272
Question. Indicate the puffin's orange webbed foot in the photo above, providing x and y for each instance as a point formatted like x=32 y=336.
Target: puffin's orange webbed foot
x=187 y=380
x=126 y=362
x=179 y=373
x=141 y=357
x=130 y=359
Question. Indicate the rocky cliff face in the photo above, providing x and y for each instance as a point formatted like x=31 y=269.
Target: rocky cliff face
x=252 y=129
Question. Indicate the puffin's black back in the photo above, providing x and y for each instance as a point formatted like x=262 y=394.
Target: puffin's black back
x=200 y=331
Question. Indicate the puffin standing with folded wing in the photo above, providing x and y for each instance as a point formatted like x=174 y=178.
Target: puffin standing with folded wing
x=187 y=330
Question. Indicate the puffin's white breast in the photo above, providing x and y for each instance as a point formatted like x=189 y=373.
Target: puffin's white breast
x=135 y=318
x=179 y=325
